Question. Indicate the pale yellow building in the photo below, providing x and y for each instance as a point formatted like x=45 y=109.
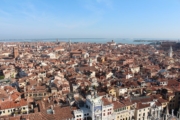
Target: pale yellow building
x=123 y=110
x=112 y=91
x=141 y=111
x=10 y=107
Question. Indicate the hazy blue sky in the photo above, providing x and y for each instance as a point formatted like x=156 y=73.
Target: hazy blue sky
x=89 y=18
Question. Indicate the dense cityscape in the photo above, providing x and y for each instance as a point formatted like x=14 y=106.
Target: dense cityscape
x=89 y=81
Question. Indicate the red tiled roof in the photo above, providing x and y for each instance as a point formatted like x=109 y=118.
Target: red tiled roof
x=11 y=104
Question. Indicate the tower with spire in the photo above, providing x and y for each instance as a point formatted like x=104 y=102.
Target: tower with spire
x=170 y=52
x=69 y=45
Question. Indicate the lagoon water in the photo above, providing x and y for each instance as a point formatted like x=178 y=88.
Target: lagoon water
x=87 y=40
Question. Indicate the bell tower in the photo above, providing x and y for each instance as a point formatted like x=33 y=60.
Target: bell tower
x=15 y=52
x=170 y=52
x=69 y=44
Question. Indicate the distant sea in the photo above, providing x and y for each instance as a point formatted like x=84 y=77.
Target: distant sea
x=86 y=40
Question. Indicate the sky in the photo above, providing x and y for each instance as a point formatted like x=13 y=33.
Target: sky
x=26 y=19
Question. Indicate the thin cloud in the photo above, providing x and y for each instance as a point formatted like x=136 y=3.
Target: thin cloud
x=4 y=12
x=77 y=24
x=107 y=3
x=30 y=12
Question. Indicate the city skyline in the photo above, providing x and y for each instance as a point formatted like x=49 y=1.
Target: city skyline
x=89 y=19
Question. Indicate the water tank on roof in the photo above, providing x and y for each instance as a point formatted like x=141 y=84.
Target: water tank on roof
x=49 y=111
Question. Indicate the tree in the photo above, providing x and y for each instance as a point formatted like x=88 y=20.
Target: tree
x=94 y=87
x=1 y=77
x=12 y=75
x=87 y=88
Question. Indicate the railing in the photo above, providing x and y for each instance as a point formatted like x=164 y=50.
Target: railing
x=124 y=111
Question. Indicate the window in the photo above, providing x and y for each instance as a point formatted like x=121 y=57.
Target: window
x=103 y=114
x=143 y=114
x=139 y=114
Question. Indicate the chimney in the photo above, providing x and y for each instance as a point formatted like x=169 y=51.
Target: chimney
x=106 y=95
x=48 y=100
x=9 y=97
x=110 y=98
x=141 y=90
x=32 y=107
x=24 y=88
x=52 y=107
x=135 y=105
x=2 y=87
x=92 y=94
x=53 y=111
x=114 y=98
